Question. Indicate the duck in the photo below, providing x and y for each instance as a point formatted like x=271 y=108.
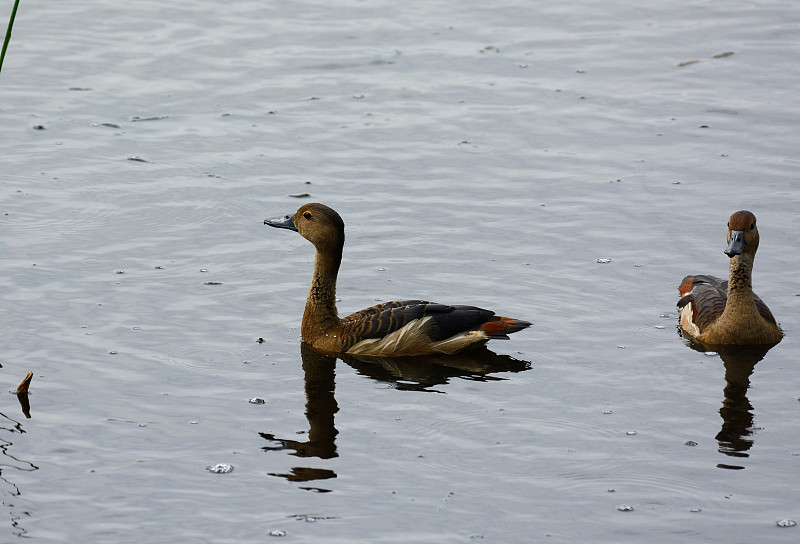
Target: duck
x=392 y=329
x=721 y=312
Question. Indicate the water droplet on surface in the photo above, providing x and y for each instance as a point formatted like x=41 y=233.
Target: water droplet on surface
x=277 y=532
x=220 y=468
x=786 y=523
x=625 y=508
x=257 y=400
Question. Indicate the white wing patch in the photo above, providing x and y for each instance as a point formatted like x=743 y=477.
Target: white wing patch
x=686 y=321
x=403 y=341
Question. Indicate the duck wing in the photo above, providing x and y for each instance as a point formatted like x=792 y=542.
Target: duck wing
x=446 y=320
x=707 y=296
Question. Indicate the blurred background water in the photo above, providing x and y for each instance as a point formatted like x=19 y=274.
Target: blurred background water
x=566 y=163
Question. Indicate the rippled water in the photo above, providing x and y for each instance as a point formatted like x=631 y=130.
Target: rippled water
x=563 y=163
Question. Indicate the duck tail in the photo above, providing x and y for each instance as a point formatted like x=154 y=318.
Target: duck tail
x=500 y=327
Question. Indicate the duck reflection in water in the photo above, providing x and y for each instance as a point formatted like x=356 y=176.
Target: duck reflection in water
x=735 y=438
x=419 y=373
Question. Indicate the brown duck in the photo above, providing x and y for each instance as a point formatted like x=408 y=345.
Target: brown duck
x=718 y=312
x=399 y=328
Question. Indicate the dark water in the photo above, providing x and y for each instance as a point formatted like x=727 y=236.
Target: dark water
x=487 y=154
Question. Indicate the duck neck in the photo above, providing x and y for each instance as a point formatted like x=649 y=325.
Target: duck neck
x=740 y=284
x=320 y=314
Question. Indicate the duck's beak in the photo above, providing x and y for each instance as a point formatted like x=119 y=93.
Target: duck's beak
x=736 y=244
x=285 y=222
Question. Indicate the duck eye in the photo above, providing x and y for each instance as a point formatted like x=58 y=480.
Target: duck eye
x=752 y=226
x=307 y=215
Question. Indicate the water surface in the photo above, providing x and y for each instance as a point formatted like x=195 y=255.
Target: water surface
x=487 y=154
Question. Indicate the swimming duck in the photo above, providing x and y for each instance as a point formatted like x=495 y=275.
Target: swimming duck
x=398 y=328
x=718 y=312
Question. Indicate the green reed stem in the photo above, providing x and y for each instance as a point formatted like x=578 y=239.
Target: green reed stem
x=8 y=33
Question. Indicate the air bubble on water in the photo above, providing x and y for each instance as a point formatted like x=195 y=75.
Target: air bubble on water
x=381 y=269
x=113 y=352
x=620 y=346
x=631 y=433
x=603 y=260
x=786 y=523
x=193 y=422
x=660 y=327
x=277 y=532
x=204 y=270
x=257 y=400
x=625 y=508
x=220 y=468
x=606 y=412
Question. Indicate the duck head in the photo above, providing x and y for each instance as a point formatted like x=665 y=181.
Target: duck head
x=742 y=234
x=315 y=222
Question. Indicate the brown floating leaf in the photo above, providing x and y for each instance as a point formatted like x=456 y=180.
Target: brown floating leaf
x=22 y=395
x=723 y=54
x=23 y=387
x=687 y=63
